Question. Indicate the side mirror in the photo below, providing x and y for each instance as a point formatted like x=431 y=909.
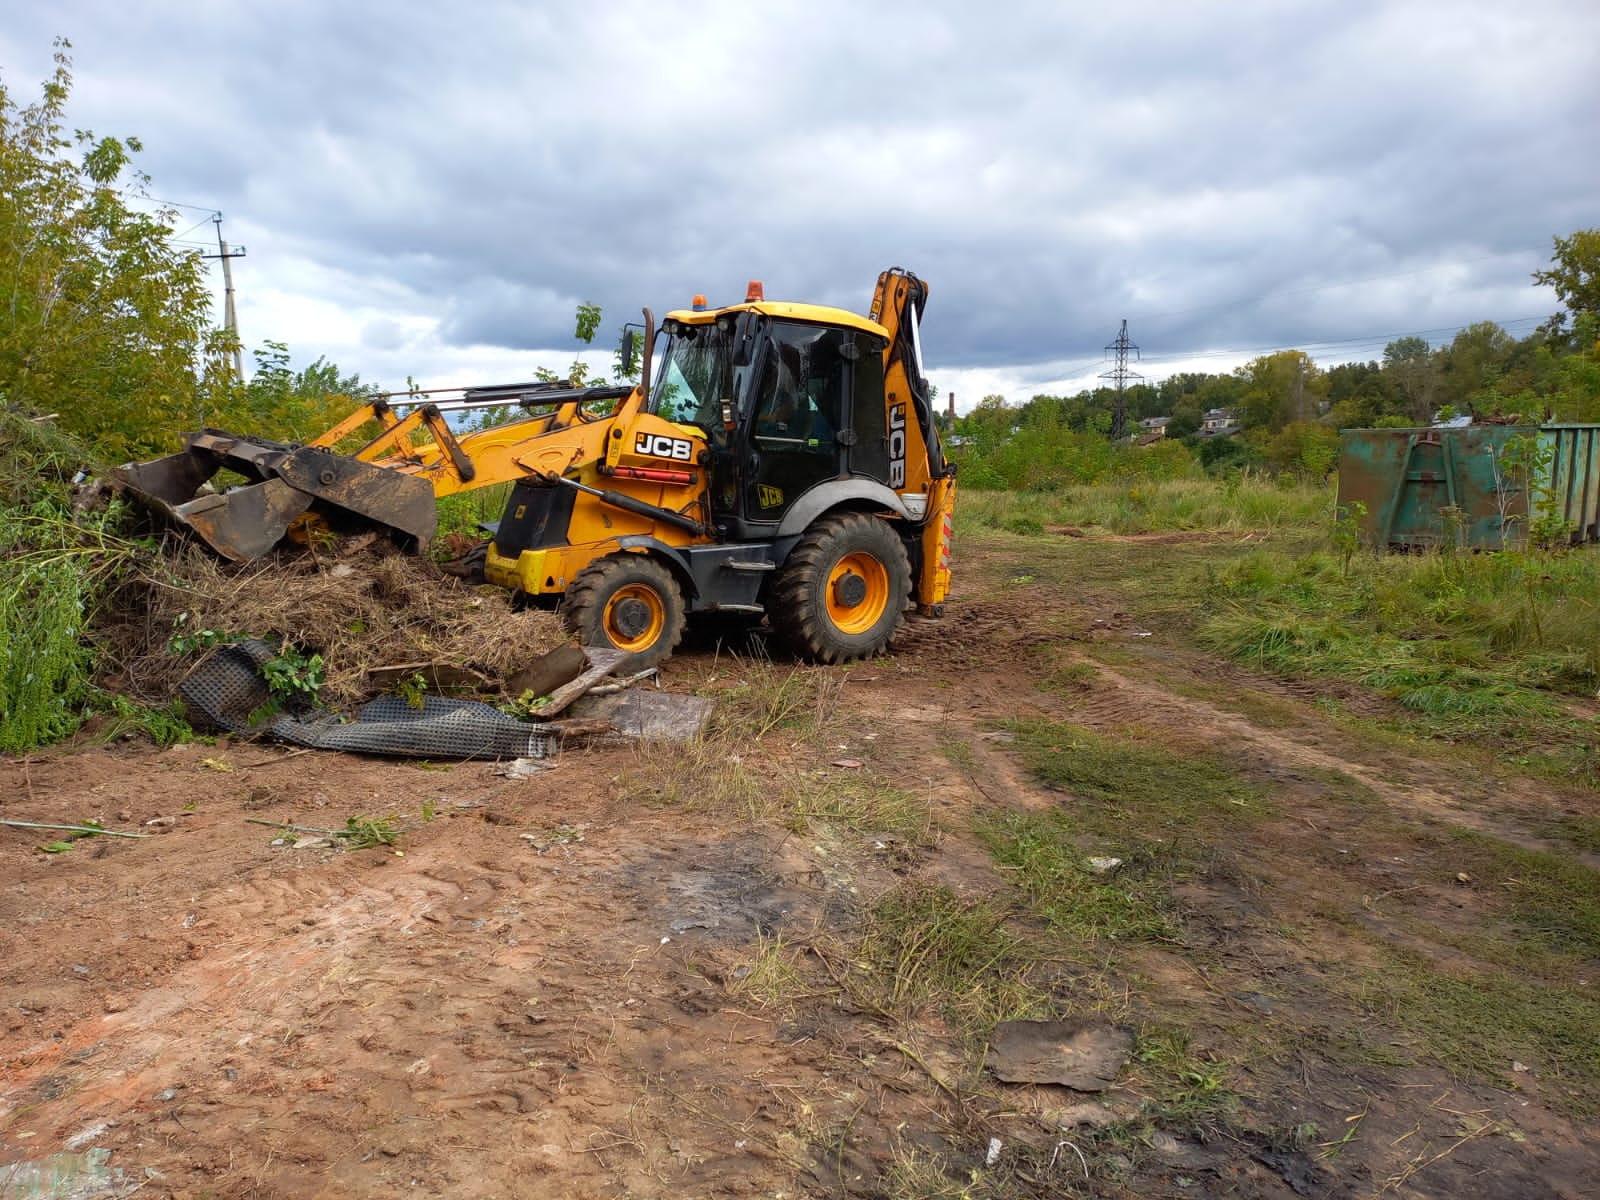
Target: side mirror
x=629 y=346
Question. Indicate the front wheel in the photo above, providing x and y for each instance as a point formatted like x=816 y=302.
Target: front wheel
x=842 y=593
x=627 y=601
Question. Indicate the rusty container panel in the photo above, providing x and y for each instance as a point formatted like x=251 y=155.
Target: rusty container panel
x=1573 y=489
x=1420 y=486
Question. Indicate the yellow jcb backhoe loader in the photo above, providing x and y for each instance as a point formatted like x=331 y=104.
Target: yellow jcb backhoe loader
x=782 y=460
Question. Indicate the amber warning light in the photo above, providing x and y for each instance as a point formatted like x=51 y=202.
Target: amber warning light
x=753 y=293
x=699 y=303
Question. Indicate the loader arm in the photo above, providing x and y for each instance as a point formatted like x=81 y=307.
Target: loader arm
x=392 y=481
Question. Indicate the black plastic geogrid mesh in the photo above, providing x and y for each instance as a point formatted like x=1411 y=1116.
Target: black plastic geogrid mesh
x=227 y=689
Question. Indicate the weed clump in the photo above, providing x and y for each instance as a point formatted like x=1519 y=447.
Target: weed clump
x=923 y=945
x=56 y=568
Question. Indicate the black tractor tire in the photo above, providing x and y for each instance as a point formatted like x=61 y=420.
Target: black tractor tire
x=843 y=590
x=627 y=601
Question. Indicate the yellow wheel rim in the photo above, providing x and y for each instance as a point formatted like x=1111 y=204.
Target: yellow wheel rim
x=858 y=592
x=635 y=617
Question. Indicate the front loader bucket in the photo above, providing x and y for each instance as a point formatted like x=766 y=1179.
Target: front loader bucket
x=283 y=481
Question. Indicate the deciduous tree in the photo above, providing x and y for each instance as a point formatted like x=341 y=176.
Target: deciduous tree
x=101 y=316
x=1574 y=273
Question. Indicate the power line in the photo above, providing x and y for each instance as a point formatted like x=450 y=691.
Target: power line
x=179 y=236
x=205 y=208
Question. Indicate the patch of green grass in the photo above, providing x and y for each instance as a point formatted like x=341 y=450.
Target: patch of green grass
x=709 y=775
x=1072 y=678
x=772 y=976
x=1044 y=856
x=917 y=1174
x=165 y=726
x=801 y=703
x=1247 y=503
x=1553 y=898
x=863 y=804
x=1163 y=813
x=1485 y=649
x=960 y=753
x=1479 y=1025
x=924 y=946
x=1580 y=832
x=1186 y=1090
x=1132 y=780
x=1263 y=708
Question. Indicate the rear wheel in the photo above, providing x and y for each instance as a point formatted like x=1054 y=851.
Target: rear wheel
x=627 y=601
x=842 y=593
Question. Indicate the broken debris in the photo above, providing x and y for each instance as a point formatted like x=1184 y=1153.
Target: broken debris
x=650 y=716
x=1083 y=1055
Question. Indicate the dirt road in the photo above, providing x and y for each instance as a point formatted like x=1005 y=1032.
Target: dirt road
x=632 y=975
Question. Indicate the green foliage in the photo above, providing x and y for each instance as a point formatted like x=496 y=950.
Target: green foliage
x=105 y=317
x=1574 y=273
x=1044 y=454
x=277 y=402
x=1246 y=502
x=1477 y=647
x=293 y=679
x=1347 y=531
x=1306 y=448
x=165 y=726
x=55 y=567
x=45 y=663
x=199 y=639
x=413 y=690
x=588 y=322
x=361 y=833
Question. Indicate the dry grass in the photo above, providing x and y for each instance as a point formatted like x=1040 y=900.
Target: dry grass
x=369 y=607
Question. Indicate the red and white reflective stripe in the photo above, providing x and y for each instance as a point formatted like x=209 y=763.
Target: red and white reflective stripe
x=944 y=543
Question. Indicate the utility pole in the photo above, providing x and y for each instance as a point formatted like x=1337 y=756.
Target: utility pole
x=1119 y=376
x=230 y=319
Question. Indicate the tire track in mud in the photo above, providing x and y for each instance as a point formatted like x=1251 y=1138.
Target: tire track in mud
x=1118 y=701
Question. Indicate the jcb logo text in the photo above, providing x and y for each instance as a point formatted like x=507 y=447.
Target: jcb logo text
x=657 y=445
x=897 y=445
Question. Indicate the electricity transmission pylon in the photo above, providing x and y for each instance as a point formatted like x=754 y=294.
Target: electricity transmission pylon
x=1119 y=376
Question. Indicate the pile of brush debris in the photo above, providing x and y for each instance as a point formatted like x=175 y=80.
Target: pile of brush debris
x=385 y=652
x=378 y=619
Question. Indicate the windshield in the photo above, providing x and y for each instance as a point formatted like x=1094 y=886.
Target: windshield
x=696 y=375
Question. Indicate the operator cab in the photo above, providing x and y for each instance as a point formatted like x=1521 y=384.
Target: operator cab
x=789 y=396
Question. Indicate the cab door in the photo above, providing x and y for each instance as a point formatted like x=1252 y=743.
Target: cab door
x=799 y=425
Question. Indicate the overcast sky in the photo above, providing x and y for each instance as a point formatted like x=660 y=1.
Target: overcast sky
x=430 y=189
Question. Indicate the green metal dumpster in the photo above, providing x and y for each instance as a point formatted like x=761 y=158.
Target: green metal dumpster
x=1420 y=486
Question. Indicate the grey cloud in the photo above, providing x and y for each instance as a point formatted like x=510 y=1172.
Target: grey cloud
x=1049 y=169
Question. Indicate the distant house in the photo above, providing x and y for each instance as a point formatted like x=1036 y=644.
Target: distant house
x=1218 y=422
x=1156 y=426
